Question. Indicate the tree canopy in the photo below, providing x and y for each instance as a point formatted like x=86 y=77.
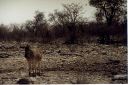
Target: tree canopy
x=110 y=10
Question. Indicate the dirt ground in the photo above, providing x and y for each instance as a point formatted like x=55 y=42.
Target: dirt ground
x=65 y=64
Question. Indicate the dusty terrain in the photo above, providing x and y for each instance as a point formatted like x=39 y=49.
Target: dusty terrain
x=72 y=64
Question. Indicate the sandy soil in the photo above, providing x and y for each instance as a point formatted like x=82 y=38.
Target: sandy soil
x=75 y=64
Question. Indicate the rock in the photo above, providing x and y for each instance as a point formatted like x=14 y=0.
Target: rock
x=23 y=81
x=120 y=77
x=116 y=62
x=104 y=52
x=4 y=55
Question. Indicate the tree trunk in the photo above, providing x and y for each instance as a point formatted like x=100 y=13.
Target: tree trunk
x=72 y=34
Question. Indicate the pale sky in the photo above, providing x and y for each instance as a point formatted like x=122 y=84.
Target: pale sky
x=18 y=11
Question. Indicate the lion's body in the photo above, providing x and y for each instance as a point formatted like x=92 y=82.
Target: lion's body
x=33 y=57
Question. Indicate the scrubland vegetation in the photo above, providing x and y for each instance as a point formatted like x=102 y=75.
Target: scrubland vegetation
x=73 y=50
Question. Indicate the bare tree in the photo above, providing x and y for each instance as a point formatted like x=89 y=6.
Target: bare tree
x=68 y=18
x=17 y=33
x=73 y=12
x=40 y=24
x=37 y=28
x=4 y=32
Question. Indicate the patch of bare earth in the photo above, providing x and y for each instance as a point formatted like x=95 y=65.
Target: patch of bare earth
x=87 y=63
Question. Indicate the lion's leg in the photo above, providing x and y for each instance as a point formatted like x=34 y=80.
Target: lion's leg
x=29 y=67
x=39 y=67
x=34 y=68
